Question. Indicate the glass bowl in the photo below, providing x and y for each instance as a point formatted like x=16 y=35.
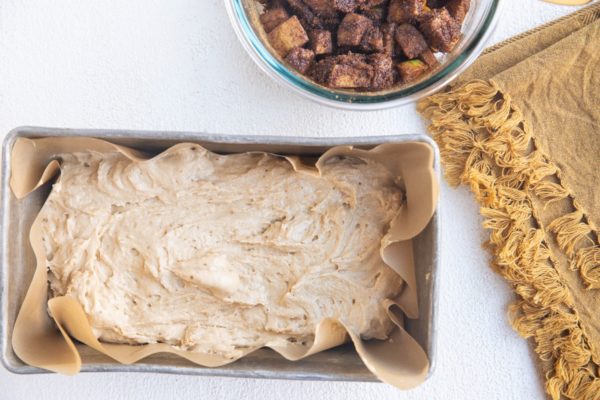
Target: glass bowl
x=477 y=27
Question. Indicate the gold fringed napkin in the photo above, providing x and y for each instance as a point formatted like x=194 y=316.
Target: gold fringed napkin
x=522 y=129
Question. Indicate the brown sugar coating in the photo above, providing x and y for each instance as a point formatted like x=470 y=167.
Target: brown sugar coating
x=458 y=9
x=321 y=41
x=301 y=59
x=384 y=74
x=352 y=29
x=344 y=71
x=363 y=44
x=410 y=40
x=405 y=11
x=272 y=18
x=440 y=29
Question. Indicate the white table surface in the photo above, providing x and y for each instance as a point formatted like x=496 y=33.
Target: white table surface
x=177 y=65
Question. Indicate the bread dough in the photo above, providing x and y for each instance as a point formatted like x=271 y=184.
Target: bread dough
x=216 y=254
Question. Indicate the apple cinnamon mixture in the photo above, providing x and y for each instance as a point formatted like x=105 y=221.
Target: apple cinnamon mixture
x=363 y=44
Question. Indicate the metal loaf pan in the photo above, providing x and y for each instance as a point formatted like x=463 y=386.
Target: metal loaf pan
x=339 y=364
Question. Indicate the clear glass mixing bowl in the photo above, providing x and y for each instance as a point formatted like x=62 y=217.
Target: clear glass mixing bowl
x=477 y=27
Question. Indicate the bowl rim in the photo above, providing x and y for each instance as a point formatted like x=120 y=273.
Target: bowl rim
x=270 y=65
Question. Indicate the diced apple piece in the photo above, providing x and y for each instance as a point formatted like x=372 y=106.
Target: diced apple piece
x=288 y=35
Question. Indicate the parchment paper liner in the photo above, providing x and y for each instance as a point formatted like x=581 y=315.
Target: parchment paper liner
x=399 y=361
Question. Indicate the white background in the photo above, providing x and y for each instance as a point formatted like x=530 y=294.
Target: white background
x=177 y=65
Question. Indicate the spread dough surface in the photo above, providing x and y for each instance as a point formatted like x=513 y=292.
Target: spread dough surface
x=216 y=254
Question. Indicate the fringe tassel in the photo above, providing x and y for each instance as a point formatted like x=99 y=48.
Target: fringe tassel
x=486 y=144
x=587 y=261
x=550 y=192
x=569 y=230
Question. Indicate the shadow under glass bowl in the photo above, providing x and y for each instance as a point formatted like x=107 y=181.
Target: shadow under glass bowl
x=477 y=27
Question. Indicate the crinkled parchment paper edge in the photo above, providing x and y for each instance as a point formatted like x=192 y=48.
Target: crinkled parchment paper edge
x=399 y=360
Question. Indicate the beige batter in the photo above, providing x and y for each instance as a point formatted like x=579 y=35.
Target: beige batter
x=214 y=253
